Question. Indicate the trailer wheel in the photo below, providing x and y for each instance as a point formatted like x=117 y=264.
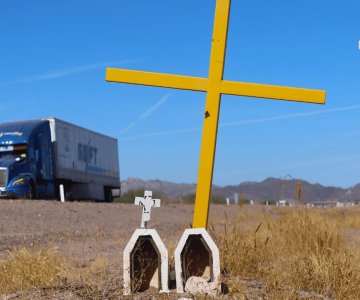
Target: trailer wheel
x=108 y=194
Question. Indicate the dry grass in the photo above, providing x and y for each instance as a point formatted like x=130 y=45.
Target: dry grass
x=44 y=273
x=277 y=253
x=104 y=283
x=294 y=252
x=25 y=269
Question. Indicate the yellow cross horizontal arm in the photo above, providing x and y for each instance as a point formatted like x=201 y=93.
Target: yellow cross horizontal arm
x=272 y=92
x=227 y=87
x=157 y=79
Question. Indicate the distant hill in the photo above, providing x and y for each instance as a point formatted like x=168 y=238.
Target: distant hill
x=275 y=189
x=269 y=189
x=352 y=194
x=168 y=189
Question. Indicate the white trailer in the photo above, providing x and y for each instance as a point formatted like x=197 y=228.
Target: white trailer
x=84 y=161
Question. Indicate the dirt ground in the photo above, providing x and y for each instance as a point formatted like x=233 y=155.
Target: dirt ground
x=90 y=238
x=85 y=231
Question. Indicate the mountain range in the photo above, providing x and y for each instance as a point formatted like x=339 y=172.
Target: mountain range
x=271 y=189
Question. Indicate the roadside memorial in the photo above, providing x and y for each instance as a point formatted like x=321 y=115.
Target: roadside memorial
x=194 y=240
x=145 y=258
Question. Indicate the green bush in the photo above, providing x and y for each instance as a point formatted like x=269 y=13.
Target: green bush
x=129 y=197
x=216 y=199
x=189 y=199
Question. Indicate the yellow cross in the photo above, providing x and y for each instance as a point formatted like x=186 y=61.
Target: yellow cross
x=214 y=86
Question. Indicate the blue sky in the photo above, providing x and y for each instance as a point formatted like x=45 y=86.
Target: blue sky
x=53 y=57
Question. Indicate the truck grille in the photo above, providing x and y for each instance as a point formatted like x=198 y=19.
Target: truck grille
x=3 y=178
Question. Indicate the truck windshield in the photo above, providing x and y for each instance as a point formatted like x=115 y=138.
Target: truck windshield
x=16 y=152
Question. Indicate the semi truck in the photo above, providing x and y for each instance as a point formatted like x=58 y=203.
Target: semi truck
x=37 y=157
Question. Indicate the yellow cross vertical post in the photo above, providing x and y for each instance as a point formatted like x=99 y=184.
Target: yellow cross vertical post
x=214 y=86
x=212 y=109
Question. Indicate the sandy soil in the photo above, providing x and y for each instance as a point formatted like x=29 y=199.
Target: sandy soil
x=87 y=229
x=84 y=232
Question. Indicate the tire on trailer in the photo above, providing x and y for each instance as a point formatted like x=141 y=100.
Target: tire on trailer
x=108 y=194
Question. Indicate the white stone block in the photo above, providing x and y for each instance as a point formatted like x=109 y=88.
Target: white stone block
x=141 y=268
x=196 y=255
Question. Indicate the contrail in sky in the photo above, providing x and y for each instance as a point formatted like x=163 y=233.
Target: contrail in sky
x=147 y=113
x=68 y=72
x=244 y=122
x=291 y=116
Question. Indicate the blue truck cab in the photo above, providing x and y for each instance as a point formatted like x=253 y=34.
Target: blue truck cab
x=26 y=169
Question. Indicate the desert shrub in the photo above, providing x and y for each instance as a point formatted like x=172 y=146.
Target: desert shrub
x=298 y=250
x=217 y=199
x=129 y=197
x=24 y=269
x=190 y=199
x=268 y=201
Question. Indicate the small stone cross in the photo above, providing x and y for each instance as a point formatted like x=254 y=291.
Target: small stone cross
x=147 y=202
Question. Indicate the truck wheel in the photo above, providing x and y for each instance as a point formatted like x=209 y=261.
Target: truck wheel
x=32 y=192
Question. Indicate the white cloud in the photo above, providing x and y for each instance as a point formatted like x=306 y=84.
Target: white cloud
x=160 y=133
x=151 y=110
x=68 y=72
x=290 y=116
x=245 y=122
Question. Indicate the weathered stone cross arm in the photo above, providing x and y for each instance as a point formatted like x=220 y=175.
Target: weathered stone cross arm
x=226 y=86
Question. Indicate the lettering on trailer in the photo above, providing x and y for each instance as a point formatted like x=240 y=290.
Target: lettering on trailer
x=87 y=154
x=214 y=86
x=65 y=132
